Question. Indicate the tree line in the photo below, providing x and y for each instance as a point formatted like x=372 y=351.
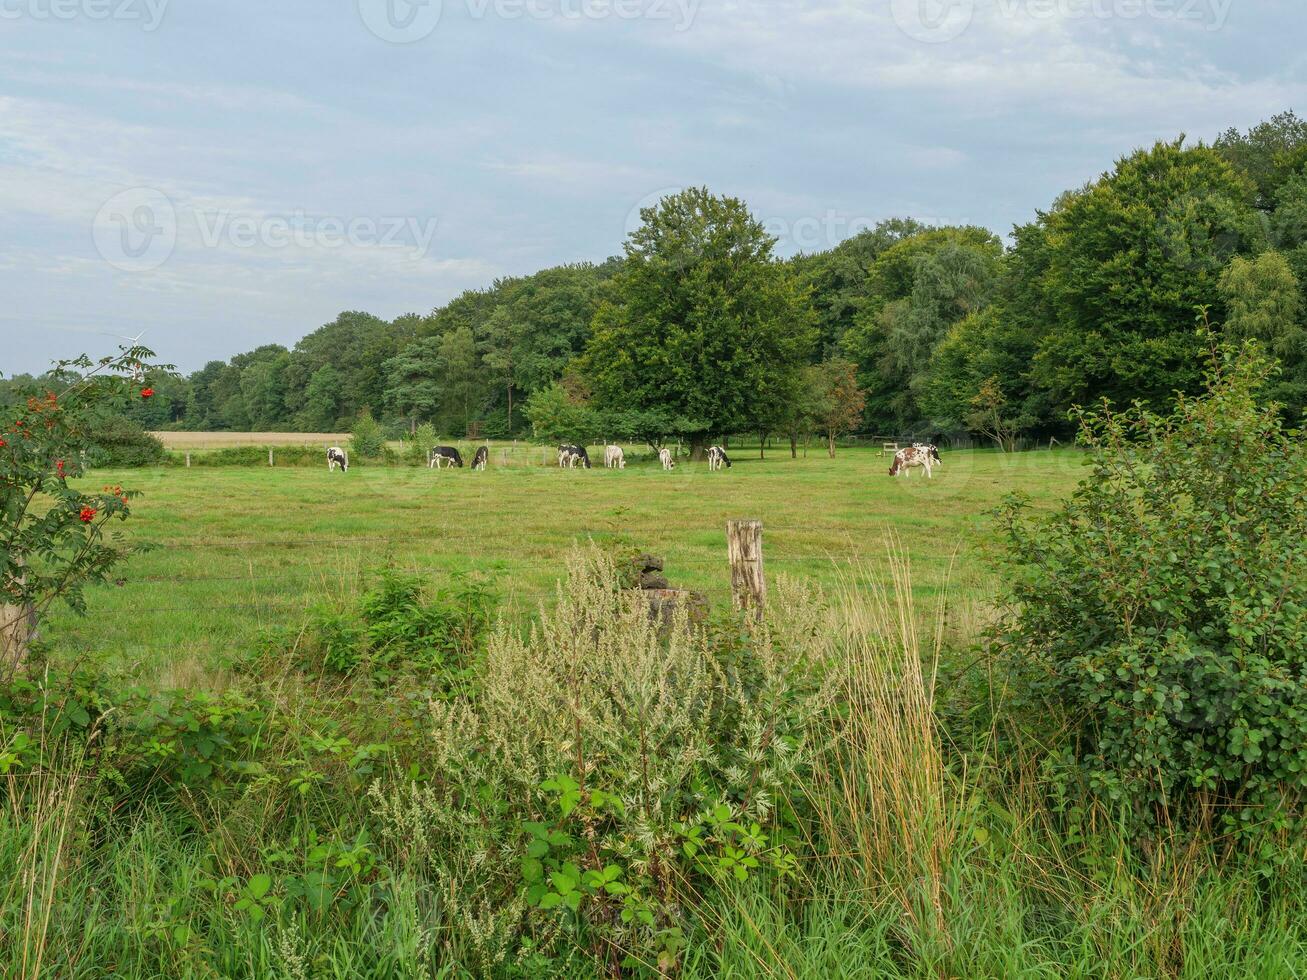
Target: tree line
x=699 y=329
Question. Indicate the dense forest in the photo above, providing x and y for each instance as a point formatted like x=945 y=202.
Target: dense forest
x=699 y=329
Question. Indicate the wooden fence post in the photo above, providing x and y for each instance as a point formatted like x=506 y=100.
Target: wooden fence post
x=744 y=551
x=188 y=461
x=269 y=457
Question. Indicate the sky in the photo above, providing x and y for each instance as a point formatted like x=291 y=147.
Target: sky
x=218 y=175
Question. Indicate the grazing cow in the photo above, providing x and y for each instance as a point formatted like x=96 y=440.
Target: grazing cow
x=441 y=456
x=614 y=458
x=569 y=456
x=480 y=459
x=717 y=458
x=919 y=454
x=665 y=457
x=337 y=457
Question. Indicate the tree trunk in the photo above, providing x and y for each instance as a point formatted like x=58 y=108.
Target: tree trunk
x=830 y=444
x=794 y=446
x=510 y=406
x=698 y=449
x=762 y=445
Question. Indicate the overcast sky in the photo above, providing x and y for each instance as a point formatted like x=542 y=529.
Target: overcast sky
x=225 y=174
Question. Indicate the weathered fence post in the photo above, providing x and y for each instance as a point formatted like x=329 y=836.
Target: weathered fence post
x=744 y=551
x=269 y=457
x=188 y=461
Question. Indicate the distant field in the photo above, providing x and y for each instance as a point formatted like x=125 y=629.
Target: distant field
x=223 y=440
x=237 y=549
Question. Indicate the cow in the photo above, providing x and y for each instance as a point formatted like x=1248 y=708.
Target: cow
x=717 y=458
x=441 y=456
x=918 y=454
x=665 y=457
x=614 y=458
x=569 y=456
x=480 y=458
x=337 y=457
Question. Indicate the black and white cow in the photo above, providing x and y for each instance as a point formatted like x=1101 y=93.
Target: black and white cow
x=337 y=457
x=441 y=456
x=665 y=457
x=480 y=458
x=919 y=454
x=717 y=458
x=569 y=456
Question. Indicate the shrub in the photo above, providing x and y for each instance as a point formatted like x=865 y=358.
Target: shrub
x=1164 y=607
x=366 y=438
x=118 y=441
x=416 y=448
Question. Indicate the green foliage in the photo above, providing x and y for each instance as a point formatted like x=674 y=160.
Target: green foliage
x=54 y=535
x=1163 y=609
x=115 y=440
x=367 y=440
x=397 y=630
x=703 y=324
x=1129 y=259
x=555 y=416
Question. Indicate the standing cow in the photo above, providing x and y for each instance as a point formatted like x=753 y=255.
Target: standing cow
x=717 y=458
x=569 y=456
x=919 y=454
x=442 y=456
x=337 y=457
x=480 y=459
x=614 y=458
x=665 y=457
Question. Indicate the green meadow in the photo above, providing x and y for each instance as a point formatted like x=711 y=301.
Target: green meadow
x=234 y=550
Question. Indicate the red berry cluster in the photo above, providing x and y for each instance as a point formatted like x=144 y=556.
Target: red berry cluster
x=87 y=515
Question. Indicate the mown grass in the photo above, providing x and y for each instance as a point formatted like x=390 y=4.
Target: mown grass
x=238 y=549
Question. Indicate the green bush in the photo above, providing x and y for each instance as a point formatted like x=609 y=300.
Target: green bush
x=1164 y=607
x=367 y=438
x=118 y=441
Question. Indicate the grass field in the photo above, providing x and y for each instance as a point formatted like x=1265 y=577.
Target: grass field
x=237 y=549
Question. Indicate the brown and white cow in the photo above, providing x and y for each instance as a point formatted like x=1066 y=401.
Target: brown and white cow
x=918 y=454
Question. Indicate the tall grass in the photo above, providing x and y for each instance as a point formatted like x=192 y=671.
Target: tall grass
x=927 y=845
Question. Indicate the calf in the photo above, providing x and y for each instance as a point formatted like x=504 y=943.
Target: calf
x=441 y=456
x=337 y=457
x=717 y=458
x=614 y=458
x=919 y=454
x=481 y=458
x=665 y=457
